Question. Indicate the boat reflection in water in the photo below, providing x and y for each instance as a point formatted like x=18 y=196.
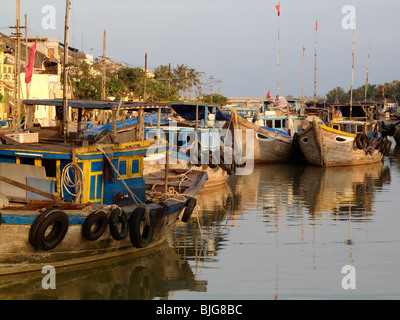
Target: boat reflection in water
x=205 y=232
x=294 y=230
x=341 y=191
x=155 y=275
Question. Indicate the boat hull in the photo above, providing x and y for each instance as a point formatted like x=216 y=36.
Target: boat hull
x=326 y=147
x=18 y=255
x=269 y=147
x=396 y=136
x=216 y=176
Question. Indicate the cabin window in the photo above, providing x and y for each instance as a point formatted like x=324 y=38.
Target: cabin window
x=278 y=124
x=135 y=166
x=128 y=168
x=336 y=126
x=359 y=128
x=50 y=167
x=96 y=181
x=122 y=168
x=30 y=161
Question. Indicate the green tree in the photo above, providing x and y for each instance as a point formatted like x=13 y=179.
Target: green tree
x=216 y=99
x=337 y=94
x=86 y=81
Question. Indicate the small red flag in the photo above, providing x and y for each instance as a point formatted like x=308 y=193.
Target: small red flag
x=316 y=25
x=268 y=94
x=29 y=67
x=278 y=7
x=304 y=51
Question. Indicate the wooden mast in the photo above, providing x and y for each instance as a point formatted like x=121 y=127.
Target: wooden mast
x=65 y=86
x=315 y=61
x=278 y=7
x=352 y=66
x=366 y=81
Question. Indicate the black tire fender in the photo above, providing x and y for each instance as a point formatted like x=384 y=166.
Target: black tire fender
x=38 y=235
x=361 y=141
x=95 y=225
x=211 y=162
x=118 y=224
x=140 y=232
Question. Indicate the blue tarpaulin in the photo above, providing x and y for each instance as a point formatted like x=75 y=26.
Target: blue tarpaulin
x=150 y=119
x=188 y=111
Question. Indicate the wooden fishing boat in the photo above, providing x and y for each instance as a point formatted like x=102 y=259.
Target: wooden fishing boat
x=180 y=140
x=327 y=146
x=147 y=276
x=85 y=200
x=200 y=128
x=269 y=145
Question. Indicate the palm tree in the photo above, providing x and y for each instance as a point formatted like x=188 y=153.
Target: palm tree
x=179 y=78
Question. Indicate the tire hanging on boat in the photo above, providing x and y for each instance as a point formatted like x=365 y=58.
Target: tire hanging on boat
x=95 y=225
x=212 y=163
x=385 y=147
x=189 y=209
x=361 y=141
x=118 y=218
x=222 y=164
x=141 y=228
x=40 y=238
x=392 y=130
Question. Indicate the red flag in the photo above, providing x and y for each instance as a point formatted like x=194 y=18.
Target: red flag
x=316 y=25
x=29 y=67
x=304 y=51
x=268 y=94
x=278 y=7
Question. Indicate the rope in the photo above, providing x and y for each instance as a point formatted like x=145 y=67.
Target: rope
x=67 y=182
x=172 y=194
x=134 y=197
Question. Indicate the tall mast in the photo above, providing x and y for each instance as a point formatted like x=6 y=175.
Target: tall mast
x=315 y=60
x=65 y=85
x=352 y=67
x=302 y=79
x=278 y=7
x=16 y=111
x=366 y=81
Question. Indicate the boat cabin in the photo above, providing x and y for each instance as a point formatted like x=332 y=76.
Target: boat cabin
x=97 y=169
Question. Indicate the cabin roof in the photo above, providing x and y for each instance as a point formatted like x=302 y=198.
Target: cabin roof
x=97 y=104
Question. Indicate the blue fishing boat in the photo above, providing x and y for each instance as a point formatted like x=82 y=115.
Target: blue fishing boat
x=70 y=199
x=195 y=142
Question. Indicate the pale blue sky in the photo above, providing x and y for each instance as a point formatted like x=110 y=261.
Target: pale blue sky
x=232 y=40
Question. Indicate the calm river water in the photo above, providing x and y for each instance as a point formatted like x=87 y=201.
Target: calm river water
x=283 y=232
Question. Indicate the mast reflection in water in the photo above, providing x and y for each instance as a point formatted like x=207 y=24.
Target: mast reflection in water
x=286 y=232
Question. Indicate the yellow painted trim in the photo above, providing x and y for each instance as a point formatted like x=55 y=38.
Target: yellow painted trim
x=337 y=131
x=58 y=176
x=139 y=145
